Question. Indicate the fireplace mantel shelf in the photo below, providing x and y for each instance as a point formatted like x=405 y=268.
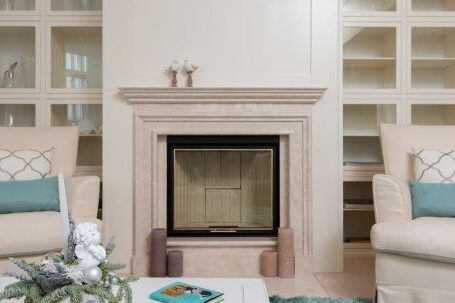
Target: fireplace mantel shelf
x=295 y=95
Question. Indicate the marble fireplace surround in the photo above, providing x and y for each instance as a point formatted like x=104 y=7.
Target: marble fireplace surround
x=159 y=112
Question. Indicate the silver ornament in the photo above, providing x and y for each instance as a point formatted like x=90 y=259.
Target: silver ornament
x=114 y=280
x=92 y=274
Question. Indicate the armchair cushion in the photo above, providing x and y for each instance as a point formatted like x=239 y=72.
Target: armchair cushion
x=426 y=238
x=29 y=196
x=434 y=166
x=25 y=164
x=432 y=199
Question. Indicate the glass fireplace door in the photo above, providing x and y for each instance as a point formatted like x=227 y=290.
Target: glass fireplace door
x=223 y=190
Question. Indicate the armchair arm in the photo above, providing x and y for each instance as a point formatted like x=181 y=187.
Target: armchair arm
x=392 y=199
x=83 y=196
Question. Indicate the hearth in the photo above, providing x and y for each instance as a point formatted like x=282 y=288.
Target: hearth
x=222 y=185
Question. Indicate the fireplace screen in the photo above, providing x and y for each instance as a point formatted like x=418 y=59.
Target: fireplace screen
x=222 y=185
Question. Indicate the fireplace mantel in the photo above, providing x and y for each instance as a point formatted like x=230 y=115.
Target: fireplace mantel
x=163 y=112
x=141 y=95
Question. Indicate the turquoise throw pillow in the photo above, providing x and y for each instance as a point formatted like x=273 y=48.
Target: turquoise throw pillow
x=432 y=199
x=29 y=196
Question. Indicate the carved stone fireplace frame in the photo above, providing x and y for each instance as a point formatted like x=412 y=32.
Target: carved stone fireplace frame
x=160 y=112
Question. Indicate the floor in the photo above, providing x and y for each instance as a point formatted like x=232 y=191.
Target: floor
x=357 y=280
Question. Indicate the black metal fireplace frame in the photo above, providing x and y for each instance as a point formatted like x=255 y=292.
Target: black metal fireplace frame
x=220 y=141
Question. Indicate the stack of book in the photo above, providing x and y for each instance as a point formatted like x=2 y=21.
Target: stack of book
x=185 y=293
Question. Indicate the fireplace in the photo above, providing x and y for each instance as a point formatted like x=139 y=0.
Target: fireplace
x=167 y=115
x=223 y=185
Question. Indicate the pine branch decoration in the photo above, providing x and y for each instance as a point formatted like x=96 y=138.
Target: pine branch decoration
x=31 y=270
x=55 y=279
x=17 y=276
x=31 y=291
x=110 y=246
x=107 y=267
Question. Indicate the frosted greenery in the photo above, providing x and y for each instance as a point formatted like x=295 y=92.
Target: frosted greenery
x=29 y=287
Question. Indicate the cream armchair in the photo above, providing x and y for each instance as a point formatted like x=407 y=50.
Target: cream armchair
x=31 y=235
x=415 y=259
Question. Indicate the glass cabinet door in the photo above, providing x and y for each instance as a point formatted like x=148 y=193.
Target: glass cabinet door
x=433 y=114
x=361 y=132
x=76 y=54
x=369 y=58
x=17 y=5
x=17 y=115
x=433 y=58
x=364 y=6
x=88 y=118
x=17 y=57
x=76 y=5
x=433 y=5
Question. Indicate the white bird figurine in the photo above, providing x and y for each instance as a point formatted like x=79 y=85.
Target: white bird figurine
x=189 y=68
x=173 y=70
x=174 y=67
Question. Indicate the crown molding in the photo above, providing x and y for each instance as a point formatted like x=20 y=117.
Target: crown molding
x=294 y=95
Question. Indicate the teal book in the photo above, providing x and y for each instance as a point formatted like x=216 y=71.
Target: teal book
x=179 y=292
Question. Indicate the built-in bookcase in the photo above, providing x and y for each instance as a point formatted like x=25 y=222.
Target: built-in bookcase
x=54 y=49
x=398 y=66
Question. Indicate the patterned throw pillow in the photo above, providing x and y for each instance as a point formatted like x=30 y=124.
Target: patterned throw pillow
x=25 y=164
x=434 y=166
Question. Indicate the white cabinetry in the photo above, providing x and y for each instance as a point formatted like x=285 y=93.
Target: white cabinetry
x=398 y=66
x=54 y=49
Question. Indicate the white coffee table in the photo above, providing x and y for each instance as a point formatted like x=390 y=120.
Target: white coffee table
x=235 y=290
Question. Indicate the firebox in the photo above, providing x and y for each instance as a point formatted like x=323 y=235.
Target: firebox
x=223 y=185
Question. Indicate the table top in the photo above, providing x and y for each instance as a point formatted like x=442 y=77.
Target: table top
x=235 y=290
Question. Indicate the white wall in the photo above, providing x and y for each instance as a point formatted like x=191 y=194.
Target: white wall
x=236 y=43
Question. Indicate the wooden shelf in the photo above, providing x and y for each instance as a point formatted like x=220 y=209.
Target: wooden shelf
x=433 y=62
x=361 y=133
x=369 y=62
x=361 y=173
x=358 y=210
